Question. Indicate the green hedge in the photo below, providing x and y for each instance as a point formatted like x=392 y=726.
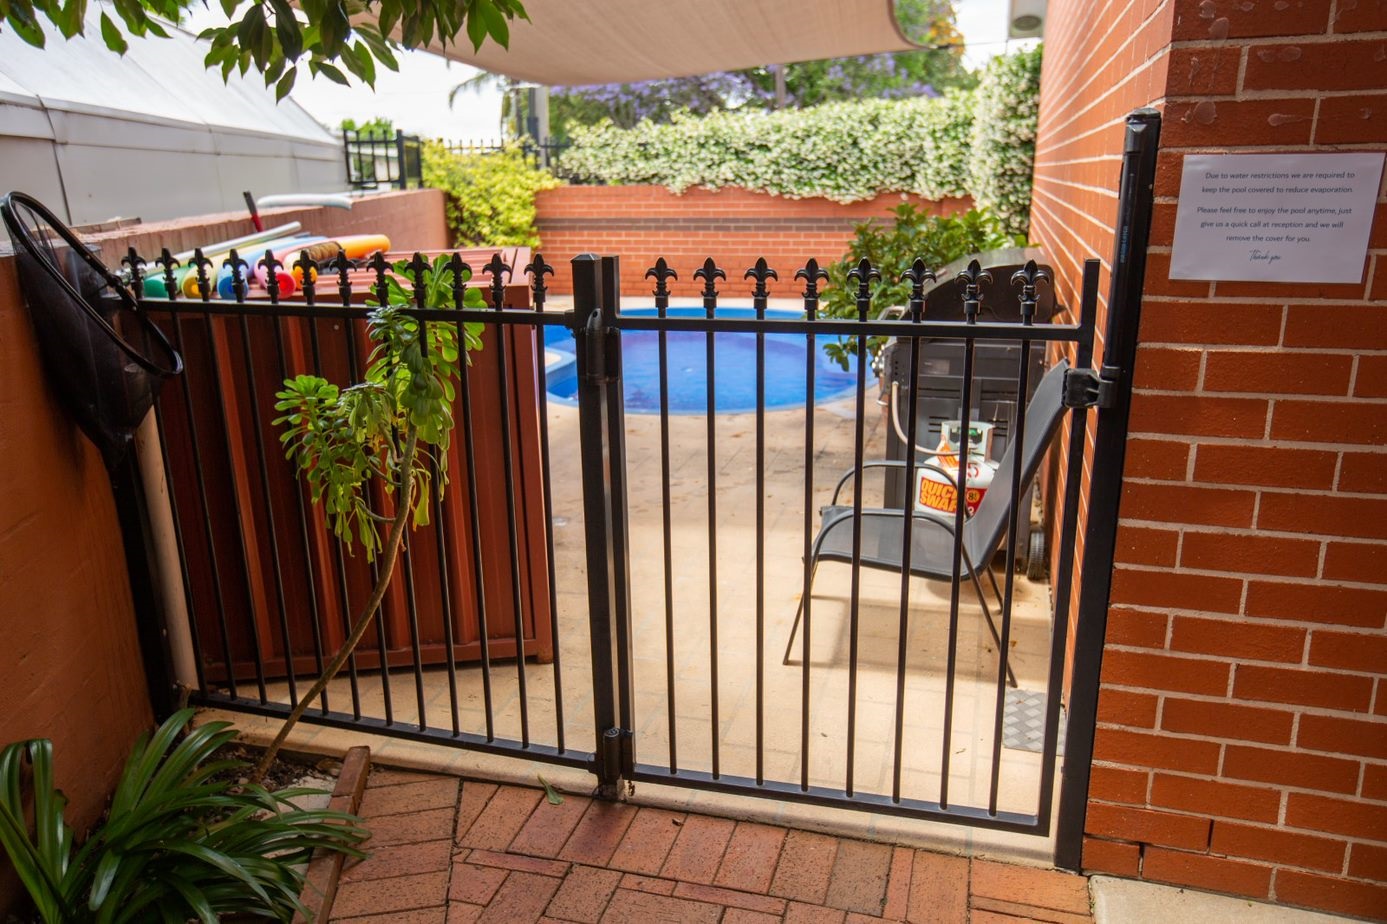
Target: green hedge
x=490 y=197
x=978 y=143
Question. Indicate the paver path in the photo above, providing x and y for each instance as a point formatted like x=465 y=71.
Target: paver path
x=445 y=850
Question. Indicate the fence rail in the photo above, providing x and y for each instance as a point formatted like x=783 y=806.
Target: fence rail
x=380 y=159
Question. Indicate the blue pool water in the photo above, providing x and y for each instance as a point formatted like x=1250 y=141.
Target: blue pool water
x=735 y=367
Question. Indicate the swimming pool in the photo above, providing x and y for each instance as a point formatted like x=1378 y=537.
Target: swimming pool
x=735 y=367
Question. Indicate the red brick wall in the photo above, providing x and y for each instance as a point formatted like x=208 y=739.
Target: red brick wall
x=1242 y=744
x=733 y=226
x=70 y=667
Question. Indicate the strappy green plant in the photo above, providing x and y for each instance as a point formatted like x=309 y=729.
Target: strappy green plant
x=180 y=841
x=393 y=429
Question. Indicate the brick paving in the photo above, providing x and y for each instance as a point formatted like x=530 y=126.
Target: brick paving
x=447 y=851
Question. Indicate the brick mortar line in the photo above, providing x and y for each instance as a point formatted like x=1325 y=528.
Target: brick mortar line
x=1259 y=442
x=1260 y=349
x=1231 y=661
x=1294 y=709
x=1260 y=621
x=1237 y=781
x=1265 y=489
x=1289 y=749
x=1240 y=532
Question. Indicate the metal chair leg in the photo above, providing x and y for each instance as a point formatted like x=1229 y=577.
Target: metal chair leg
x=987 y=612
x=799 y=610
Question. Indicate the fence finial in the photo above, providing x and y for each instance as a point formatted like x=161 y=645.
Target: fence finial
x=166 y=260
x=204 y=284
x=1027 y=277
x=237 y=266
x=761 y=272
x=342 y=266
x=864 y=274
x=418 y=266
x=812 y=274
x=972 y=279
x=137 y=265
x=380 y=266
x=496 y=267
x=538 y=269
x=308 y=276
x=270 y=265
x=709 y=272
x=917 y=275
x=461 y=272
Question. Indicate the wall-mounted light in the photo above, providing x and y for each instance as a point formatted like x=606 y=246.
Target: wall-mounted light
x=1026 y=19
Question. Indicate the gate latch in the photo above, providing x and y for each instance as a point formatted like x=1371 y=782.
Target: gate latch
x=1090 y=388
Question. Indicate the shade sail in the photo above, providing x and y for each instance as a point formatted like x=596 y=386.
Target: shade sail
x=577 y=42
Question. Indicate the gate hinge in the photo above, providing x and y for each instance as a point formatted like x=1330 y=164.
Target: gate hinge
x=1090 y=388
x=602 y=347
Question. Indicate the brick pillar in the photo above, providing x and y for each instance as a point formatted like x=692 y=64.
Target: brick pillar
x=1242 y=740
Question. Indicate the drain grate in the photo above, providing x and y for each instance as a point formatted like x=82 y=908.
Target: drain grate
x=1023 y=721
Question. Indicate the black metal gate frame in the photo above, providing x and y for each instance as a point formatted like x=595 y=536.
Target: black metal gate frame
x=597 y=324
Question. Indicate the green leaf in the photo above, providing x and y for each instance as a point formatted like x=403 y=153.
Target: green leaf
x=551 y=795
x=285 y=84
x=111 y=34
x=476 y=23
x=287 y=29
x=495 y=22
x=70 y=17
x=333 y=74
x=26 y=27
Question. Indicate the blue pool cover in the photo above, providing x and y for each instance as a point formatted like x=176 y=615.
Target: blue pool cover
x=735 y=367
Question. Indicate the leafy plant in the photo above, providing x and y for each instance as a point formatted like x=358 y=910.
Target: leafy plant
x=978 y=143
x=274 y=37
x=180 y=840
x=1002 y=147
x=391 y=430
x=936 y=239
x=490 y=196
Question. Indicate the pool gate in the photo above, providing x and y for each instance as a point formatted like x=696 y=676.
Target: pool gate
x=470 y=631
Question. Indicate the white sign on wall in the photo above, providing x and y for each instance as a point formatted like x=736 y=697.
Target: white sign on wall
x=1275 y=217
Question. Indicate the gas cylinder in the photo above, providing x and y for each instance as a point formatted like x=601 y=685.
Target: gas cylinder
x=936 y=493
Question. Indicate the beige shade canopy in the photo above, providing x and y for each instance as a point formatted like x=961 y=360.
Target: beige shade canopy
x=577 y=42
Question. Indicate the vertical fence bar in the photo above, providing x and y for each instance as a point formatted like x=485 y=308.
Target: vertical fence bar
x=710 y=273
x=416 y=268
x=236 y=266
x=341 y=266
x=461 y=272
x=306 y=268
x=619 y=532
x=864 y=274
x=248 y=362
x=598 y=355
x=1067 y=528
x=917 y=275
x=538 y=269
x=972 y=278
x=497 y=268
x=1109 y=448
x=661 y=273
x=760 y=272
x=378 y=265
x=1028 y=278
x=168 y=263
x=200 y=264
x=812 y=275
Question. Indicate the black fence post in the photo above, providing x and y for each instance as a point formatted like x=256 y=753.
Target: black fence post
x=1105 y=490
x=401 y=182
x=602 y=448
